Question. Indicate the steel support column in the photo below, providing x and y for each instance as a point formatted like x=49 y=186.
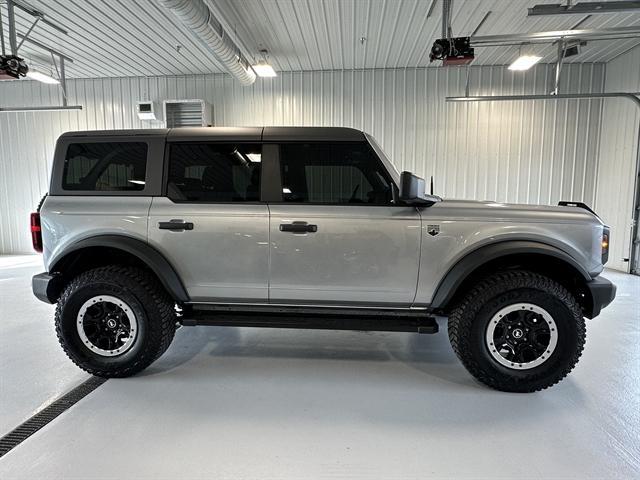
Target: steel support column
x=11 y=18
x=2 y=47
x=556 y=88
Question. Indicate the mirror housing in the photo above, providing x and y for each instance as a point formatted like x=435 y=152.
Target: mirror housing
x=412 y=191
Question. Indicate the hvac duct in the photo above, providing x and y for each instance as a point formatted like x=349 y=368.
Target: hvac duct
x=196 y=15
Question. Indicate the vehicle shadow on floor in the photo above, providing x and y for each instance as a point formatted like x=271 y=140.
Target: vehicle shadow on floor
x=428 y=354
x=249 y=373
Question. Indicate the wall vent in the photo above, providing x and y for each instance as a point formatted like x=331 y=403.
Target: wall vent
x=187 y=113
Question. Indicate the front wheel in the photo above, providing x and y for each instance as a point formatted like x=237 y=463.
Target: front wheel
x=115 y=321
x=518 y=331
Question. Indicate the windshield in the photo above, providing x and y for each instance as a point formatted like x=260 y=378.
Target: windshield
x=384 y=158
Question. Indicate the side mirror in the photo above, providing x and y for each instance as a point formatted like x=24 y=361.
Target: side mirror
x=412 y=191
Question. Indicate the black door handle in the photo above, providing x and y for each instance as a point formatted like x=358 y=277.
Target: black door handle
x=298 y=227
x=175 y=225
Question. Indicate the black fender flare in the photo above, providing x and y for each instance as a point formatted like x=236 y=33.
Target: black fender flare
x=138 y=248
x=456 y=275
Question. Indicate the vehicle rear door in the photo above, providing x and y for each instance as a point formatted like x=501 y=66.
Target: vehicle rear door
x=211 y=225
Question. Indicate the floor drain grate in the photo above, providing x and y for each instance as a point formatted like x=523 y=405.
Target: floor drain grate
x=40 y=419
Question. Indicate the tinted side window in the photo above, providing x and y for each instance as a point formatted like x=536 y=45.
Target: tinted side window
x=342 y=173
x=213 y=172
x=105 y=166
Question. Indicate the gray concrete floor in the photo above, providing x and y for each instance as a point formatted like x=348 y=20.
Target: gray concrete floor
x=251 y=403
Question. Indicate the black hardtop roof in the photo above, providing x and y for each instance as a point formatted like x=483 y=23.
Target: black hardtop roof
x=146 y=132
x=273 y=134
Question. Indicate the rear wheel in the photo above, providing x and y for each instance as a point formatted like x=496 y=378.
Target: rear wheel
x=115 y=321
x=518 y=331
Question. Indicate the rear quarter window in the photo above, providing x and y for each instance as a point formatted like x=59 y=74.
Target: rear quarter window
x=105 y=166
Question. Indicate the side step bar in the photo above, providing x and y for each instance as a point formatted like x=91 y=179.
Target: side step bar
x=380 y=324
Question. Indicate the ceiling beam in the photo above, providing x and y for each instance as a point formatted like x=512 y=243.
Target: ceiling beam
x=50 y=108
x=584 y=8
x=634 y=97
x=554 y=36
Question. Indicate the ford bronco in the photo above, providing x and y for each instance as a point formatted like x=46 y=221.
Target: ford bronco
x=303 y=227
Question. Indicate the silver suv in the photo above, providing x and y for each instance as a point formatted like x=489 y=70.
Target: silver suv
x=146 y=230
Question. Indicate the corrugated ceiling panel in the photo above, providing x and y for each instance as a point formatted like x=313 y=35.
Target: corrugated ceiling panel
x=325 y=35
x=140 y=38
x=117 y=38
x=618 y=156
x=539 y=152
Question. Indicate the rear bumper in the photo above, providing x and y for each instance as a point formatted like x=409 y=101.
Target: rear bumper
x=46 y=287
x=602 y=293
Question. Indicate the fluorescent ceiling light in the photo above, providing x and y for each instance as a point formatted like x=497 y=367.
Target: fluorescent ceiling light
x=41 y=77
x=263 y=69
x=524 y=62
x=255 y=157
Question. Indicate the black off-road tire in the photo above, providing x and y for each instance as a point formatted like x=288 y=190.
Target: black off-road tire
x=152 y=306
x=468 y=324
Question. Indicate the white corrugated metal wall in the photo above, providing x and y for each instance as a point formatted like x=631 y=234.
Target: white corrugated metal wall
x=538 y=152
x=618 y=150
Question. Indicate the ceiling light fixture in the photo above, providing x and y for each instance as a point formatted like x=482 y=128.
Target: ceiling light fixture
x=263 y=68
x=42 y=77
x=524 y=62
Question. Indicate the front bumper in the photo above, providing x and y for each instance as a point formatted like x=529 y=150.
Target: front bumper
x=602 y=293
x=47 y=287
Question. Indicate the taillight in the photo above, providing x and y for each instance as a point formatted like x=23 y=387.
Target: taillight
x=36 y=232
x=605 y=245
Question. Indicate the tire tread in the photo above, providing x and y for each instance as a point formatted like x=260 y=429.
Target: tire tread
x=463 y=315
x=143 y=284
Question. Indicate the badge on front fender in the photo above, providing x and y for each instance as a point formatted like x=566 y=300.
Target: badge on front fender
x=433 y=230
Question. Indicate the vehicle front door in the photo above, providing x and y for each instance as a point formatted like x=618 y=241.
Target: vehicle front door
x=338 y=236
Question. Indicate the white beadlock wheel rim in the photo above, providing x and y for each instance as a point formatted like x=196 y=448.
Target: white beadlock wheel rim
x=120 y=324
x=514 y=330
